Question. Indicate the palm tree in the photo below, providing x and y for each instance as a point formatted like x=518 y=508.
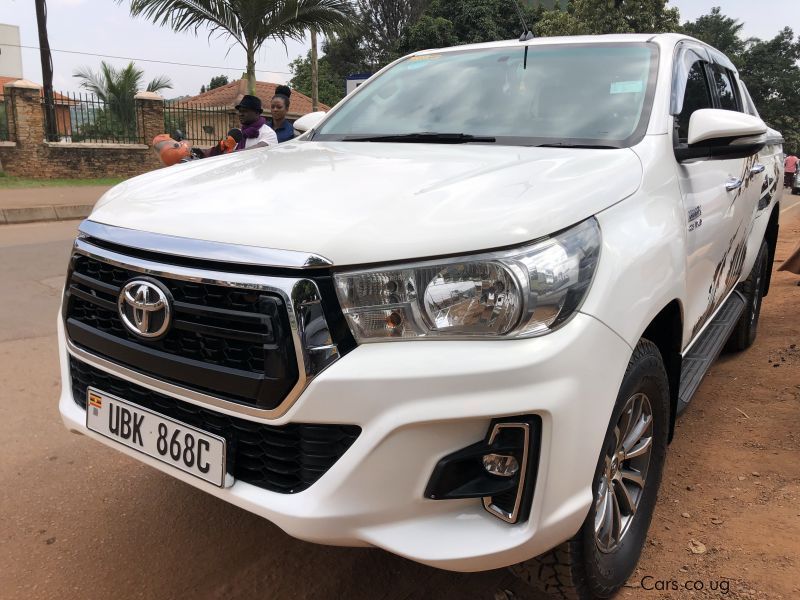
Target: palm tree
x=248 y=23
x=117 y=89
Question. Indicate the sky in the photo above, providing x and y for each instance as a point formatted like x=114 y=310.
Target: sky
x=105 y=27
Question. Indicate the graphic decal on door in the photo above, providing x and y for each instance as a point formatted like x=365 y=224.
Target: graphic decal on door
x=726 y=274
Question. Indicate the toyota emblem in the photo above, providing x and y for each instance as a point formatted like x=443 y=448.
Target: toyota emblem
x=144 y=308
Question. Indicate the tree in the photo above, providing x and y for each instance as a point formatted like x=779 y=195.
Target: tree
x=719 y=31
x=217 y=81
x=342 y=56
x=249 y=23
x=609 y=16
x=47 y=69
x=383 y=23
x=117 y=89
x=770 y=71
x=386 y=30
x=331 y=85
x=450 y=22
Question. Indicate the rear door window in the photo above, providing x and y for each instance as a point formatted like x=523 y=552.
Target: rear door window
x=726 y=91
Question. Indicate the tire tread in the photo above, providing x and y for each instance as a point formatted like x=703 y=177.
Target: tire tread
x=560 y=572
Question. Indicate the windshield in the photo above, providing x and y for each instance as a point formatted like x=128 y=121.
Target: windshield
x=576 y=94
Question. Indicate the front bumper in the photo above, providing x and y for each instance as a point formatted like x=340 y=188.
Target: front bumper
x=417 y=402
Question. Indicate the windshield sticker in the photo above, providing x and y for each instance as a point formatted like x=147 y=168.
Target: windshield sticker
x=626 y=87
x=415 y=62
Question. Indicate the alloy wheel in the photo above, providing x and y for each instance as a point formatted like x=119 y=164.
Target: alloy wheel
x=622 y=481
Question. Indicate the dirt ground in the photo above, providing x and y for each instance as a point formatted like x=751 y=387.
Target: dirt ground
x=80 y=521
x=729 y=506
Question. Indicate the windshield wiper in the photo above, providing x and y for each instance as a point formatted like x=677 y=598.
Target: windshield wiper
x=423 y=137
x=565 y=145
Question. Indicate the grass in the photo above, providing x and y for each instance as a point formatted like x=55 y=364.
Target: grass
x=8 y=182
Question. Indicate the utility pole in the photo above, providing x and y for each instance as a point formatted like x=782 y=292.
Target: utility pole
x=314 y=73
x=47 y=69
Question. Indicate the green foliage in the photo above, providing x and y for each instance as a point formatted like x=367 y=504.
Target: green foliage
x=116 y=88
x=609 y=16
x=11 y=182
x=768 y=67
x=451 y=22
x=770 y=71
x=719 y=31
x=218 y=81
x=331 y=85
x=248 y=23
x=385 y=30
x=3 y=122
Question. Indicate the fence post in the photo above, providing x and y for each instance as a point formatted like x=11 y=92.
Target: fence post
x=25 y=125
x=150 y=111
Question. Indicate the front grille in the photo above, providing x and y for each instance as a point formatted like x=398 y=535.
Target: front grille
x=233 y=343
x=286 y=459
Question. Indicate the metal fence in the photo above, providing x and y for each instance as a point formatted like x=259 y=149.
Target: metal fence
x=199 y=124
x=72 y=117
x=4 y=108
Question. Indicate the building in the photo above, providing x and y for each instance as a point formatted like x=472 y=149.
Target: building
x=206 y=121
x=10 y=52
x=62 y=109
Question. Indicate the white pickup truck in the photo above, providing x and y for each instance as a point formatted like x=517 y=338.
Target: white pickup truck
x=456 y=319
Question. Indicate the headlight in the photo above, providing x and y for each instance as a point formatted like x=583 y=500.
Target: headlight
x=523 y=292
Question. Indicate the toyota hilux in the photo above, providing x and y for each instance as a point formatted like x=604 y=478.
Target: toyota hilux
x=456 y=319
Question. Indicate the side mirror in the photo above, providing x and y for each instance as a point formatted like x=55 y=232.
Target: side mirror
x=722 y=134
x=309 y=121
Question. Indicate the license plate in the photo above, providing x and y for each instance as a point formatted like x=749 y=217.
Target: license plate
x=184 y=447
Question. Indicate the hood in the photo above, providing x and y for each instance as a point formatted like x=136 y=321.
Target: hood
x=363 y=202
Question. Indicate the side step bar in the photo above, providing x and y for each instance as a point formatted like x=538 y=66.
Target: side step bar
x=707 y=348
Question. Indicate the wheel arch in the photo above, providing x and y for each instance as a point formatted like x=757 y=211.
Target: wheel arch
x=666 y=332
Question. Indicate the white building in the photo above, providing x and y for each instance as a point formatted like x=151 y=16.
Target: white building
x=10 y=52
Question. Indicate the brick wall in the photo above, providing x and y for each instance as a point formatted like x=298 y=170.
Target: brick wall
x=28 y=155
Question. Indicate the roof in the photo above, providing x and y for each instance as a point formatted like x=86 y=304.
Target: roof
x=60 y=99
x=229 y=95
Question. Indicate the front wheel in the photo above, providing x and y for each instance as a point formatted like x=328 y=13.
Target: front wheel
x=597 y=560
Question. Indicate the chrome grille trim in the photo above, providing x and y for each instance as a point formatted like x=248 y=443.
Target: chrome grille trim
x=296 y=292
x=212 y=251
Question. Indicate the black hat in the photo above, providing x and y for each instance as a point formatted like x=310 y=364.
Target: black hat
x=251 y=102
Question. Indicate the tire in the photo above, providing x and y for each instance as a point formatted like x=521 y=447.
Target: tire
x=587 y=566
x=745 y=331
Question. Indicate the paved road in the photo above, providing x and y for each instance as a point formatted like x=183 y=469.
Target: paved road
x=78 y=520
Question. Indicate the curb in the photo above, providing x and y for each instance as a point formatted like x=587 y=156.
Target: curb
x=33 y=214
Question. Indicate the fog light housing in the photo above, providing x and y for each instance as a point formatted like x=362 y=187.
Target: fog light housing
x=500 y=470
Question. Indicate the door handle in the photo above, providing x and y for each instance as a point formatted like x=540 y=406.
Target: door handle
x=757 y=168
x=734 y=183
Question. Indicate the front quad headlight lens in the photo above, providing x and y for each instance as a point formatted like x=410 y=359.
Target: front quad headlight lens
x=522 y=292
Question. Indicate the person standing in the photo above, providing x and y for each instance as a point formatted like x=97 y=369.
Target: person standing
x=255 y=131
x=789 y=169
x=279 y=107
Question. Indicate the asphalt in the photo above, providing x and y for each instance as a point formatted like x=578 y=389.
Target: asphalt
x=28 y=205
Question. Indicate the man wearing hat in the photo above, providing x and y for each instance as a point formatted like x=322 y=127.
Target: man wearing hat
x=255 y=131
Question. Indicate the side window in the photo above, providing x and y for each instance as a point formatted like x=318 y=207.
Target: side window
x=697 y=96
x=723 y=81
